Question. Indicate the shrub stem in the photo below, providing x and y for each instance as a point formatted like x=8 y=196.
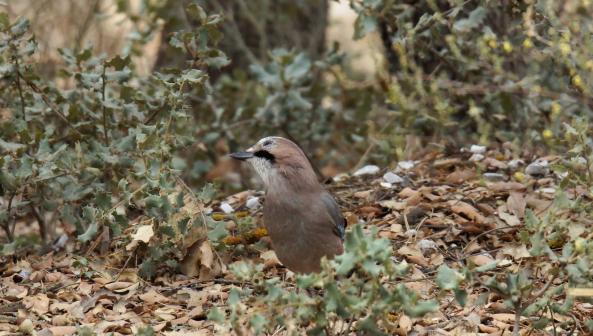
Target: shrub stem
x=104 y=108
x=20 y=89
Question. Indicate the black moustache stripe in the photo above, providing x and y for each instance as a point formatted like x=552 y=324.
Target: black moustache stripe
x=265 y=155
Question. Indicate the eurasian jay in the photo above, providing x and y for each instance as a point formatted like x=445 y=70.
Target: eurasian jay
x=303 y=220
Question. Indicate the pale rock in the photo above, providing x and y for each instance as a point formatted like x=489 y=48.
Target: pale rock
x=367 y=170
x=516 y=163
x=477 y=149
x=537 y=167
x=548 y=190
x=386 y=185
x=426 y=245
x=494 y=177
x=476 y=157
x=227 y=208
x=252 y=202
x=411 y=233
x=406 y=165
x=340 y=177
x=392 y=178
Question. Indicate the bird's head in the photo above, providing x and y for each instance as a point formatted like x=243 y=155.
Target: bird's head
x=278 y=160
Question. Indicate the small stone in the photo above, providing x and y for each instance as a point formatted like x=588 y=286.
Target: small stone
x=548 y=190
x=367 y=170
x=476 y=149
x=494 y=177
x=24 y=274
x=252 y=202
x=390 y=177
x=60 y=242
x=386 y=185
x=537 y=167
x=476 y=157
x=426 y=244
x=411 y=233
x=227 y=208
x=406 y=165
x=515 y=163
x=340 y=177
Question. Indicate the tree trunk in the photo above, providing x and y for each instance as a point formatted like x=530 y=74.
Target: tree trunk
x=252 y=28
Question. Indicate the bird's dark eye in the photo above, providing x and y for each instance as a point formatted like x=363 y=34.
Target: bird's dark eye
x=264 y=154
x=267 y=143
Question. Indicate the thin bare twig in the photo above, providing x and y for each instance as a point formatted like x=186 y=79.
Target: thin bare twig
x=103 y=87
x=234 y=32
x=125 y=264
x=490 y=231
x=85 y=26
x=49 y=103
x=518 y=312
x=20 y=89
x=6 y=226
x=41 y=223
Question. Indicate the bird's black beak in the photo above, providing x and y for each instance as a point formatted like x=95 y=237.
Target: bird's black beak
x=241 y=155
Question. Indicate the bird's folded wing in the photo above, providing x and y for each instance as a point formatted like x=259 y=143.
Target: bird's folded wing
x=334 y=211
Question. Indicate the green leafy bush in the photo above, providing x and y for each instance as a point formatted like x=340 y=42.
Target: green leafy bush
x=485 y=70
x=99 y=146
x=356 y=291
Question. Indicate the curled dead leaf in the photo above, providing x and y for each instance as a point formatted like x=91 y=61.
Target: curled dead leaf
x=38 y=303
x=152 y=297
x=270 y=259
x=199 y=261
x=505 y=186
x=516 y=204
x=481 y=259
x=414 y=255
x=516 y=251
x=466 y=210
x=461 y=175
x=144 y=233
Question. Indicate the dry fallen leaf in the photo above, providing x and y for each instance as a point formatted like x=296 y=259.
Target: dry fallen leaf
x=270 y=258
x=516 y=251
x=468 y=211
x=413 y=254
x=505 y=186
x=461 y=175
x=405 y=322
x=144 y=233
x=38 y=303
x=516 y=204
x=481 y=259
x=207 y=256
x=587 y=292
x=63 y=330
x=393 y=204
x=511 y=220
x=199 y=261
x=494 y=163
x=152 y=297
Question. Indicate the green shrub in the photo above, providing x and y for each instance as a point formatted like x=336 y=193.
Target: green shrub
x=356 y=291
x=484 y=70
x=101 y=148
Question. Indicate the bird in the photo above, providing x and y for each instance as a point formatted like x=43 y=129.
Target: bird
x=302 y=218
